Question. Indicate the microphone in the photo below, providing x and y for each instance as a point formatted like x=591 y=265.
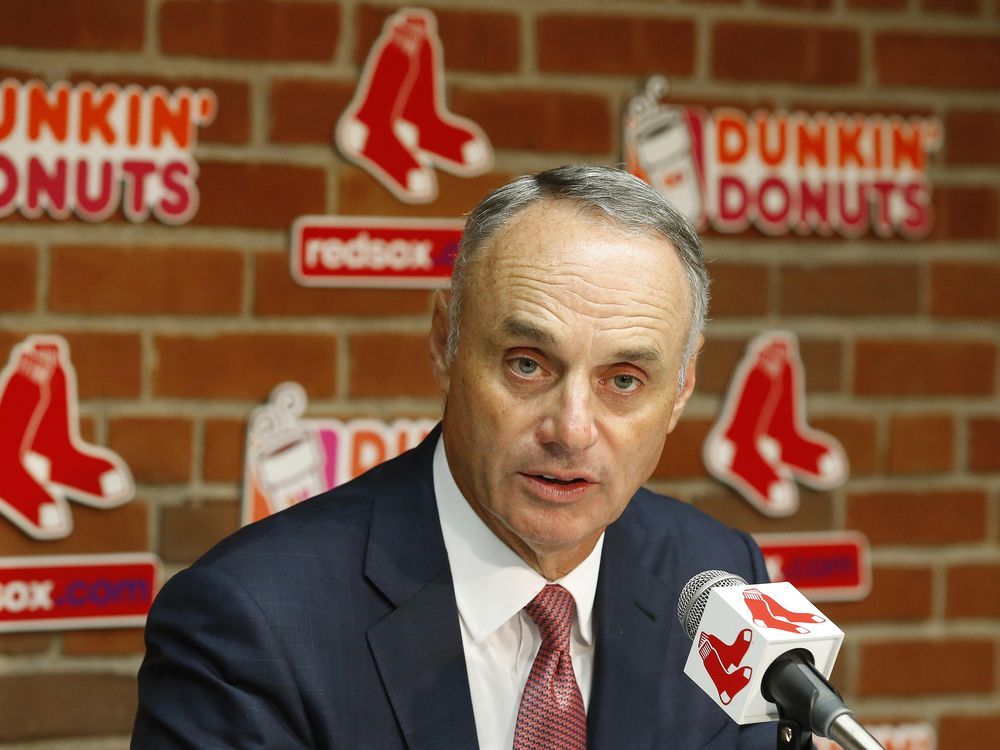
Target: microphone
x=763 y=652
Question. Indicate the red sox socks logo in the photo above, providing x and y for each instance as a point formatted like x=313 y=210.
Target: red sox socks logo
x=43 y=460
x=761 y=443
x=398 y=127
x=767 y=613
x=721 y=660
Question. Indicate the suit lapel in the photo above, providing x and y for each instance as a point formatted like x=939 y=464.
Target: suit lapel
x=418 y=646
x=634 y=623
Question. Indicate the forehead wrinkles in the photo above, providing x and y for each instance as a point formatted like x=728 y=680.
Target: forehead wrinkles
x=565 y=289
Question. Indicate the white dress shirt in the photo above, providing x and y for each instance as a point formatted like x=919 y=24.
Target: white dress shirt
x=492 y=586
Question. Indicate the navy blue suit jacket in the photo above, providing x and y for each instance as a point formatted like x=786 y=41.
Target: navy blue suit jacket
x=333 y=625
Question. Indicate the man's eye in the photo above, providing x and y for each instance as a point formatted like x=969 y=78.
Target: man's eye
x=625 y=383
x=525 y=366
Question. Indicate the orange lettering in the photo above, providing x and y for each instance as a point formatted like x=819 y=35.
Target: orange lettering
x=773 y=156
x=176 y=121
x=367 y=450
x=848 y=142
x=43 y=112
x=812 y=142
x=907 y=146
x=731 y=132
x=9 y=100
x=95 y=107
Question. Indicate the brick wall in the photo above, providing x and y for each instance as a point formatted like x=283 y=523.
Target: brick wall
x=178 y=332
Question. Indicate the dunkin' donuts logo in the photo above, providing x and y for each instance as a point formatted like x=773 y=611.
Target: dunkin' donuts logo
x=783 y=172
x=89 y=151
x=290 y=458
x=373 y=251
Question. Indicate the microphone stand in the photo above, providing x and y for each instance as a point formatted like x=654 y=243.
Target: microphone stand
x=808 y=704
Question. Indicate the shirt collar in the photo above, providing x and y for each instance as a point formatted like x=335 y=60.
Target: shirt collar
x=492 y=584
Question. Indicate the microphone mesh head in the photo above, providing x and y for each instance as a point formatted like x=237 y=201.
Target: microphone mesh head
x=694 y=597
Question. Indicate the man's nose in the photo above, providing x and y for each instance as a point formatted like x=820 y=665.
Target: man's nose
x=569 y=423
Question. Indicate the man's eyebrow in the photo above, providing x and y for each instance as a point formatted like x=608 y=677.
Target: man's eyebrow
x=650 y=355
x=525 y=330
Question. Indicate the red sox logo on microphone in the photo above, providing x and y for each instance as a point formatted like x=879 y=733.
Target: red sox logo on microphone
x=43 y=460
x=398 y=127
x=723 y=660
x=761 y=444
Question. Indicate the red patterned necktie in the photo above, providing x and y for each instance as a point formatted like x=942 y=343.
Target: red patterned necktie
x=551 y=716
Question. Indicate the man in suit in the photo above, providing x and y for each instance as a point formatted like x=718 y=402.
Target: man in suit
x=508 y=583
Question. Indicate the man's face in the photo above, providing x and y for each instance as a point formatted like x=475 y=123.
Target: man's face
x=564 y=385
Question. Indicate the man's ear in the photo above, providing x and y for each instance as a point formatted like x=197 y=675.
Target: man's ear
x=440 y=361
x=689 y=379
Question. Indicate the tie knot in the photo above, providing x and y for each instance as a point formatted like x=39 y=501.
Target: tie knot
x=552 y=611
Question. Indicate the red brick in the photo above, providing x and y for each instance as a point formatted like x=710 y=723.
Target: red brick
x=222 y=459
x=391 y=364
x=157 y=449
x=741 y=289
x=487 y=41
x=717 y=363
x=858 y=435
x=914 y=368
x=360 y=194
x=278 y=294
x=945 y=516
x=189 y=530
x=84 y=25
x=578 y=122
x=974 y=590
x=258 y=196
x=921 y=443
x=232 y=115
x=965 y=290
x=854 y=289
x=876 y=4
x=121 y=529
x=926 y=667
x=746 y=51
x=244 y=365
x=800 y=4
x=854 y=107
x=898 y=593
x=306 y=111
x=18 y=277
x=815 y=512
x=69 y=704
x=106 y=364
x=972 y=137
x=822 y=361
x=904 y=58
x=681 y=455
x=95 y=279
x=615 y=44
x=250 y=30
x=103 y=642
x=984 y=437
x=957 y=7
x=961 y=732
x=965 y=213
x=14 y=644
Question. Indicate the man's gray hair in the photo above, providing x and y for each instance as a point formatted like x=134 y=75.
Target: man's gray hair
x=624 y=201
